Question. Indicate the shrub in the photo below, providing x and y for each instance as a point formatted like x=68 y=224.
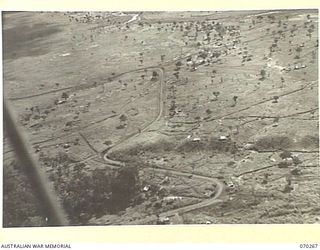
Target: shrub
x=274 y=143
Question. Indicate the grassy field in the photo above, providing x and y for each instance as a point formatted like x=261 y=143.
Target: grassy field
x=166 y=117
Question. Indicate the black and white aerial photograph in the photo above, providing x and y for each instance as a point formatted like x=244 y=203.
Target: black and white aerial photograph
x=160 y=118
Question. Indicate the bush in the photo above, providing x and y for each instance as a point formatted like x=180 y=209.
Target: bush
x=310 y=141
x=65 y=95
x=274 y=143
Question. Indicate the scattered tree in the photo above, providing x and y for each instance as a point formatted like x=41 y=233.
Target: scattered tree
x=123 y=118
x=263 y=74
x=65 y=95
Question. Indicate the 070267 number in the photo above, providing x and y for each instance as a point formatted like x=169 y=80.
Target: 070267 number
x=309 y=246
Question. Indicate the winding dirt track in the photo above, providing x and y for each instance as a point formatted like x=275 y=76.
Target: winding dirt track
x=208 y=202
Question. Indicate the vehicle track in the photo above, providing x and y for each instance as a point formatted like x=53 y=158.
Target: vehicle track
x=208 y=202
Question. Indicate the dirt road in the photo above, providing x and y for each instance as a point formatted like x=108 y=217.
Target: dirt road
x=208 y=202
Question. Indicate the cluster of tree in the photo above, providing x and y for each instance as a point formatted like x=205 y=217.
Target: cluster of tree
x=86 y=193
x=83 y=193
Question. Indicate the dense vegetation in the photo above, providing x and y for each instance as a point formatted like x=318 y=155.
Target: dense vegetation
x=83 y=192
